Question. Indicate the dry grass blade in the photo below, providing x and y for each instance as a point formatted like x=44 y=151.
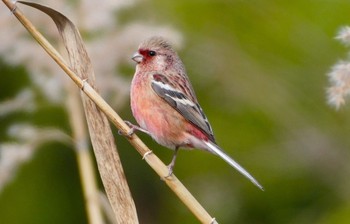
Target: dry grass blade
x=84 y=158
x=161 y=169
x=102 y=139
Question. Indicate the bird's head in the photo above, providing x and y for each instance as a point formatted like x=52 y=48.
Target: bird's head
x=155 y=54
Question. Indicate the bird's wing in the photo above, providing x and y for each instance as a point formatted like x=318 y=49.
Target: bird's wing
x=190 y=110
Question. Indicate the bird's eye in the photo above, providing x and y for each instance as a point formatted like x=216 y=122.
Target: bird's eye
x=152 y=53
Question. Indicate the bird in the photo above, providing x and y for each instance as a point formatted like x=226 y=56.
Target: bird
x=165 y=106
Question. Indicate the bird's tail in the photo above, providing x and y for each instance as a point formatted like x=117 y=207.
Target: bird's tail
x=218 y=151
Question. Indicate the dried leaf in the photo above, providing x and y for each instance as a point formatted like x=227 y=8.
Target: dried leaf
x=108 y=161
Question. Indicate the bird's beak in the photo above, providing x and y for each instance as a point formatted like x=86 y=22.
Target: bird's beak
x=137 y=57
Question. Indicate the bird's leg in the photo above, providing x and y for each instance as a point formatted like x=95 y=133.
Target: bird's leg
x=172 y=163
x=132 y=129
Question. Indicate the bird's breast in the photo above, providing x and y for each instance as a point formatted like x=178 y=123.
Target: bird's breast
x=155 y=115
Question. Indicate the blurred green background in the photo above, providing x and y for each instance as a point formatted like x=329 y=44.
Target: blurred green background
x=259 y=70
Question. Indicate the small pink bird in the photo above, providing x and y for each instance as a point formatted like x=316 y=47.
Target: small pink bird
x=165 y=106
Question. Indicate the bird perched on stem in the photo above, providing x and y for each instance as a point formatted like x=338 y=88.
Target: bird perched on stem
x=165 y=106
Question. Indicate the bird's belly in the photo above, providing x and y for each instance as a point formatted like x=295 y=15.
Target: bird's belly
x=163 y=122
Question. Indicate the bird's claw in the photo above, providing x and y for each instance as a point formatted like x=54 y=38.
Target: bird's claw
x=130 y=132
x=170 y=169
x=132 y=128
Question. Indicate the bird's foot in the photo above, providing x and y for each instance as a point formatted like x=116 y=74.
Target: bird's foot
x=170 y=170
x=132 y=130
x=172 y=163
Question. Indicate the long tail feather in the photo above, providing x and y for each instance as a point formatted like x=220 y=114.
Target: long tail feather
x=216 y=150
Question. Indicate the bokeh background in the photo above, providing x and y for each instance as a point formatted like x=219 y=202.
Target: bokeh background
x=259 y=69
